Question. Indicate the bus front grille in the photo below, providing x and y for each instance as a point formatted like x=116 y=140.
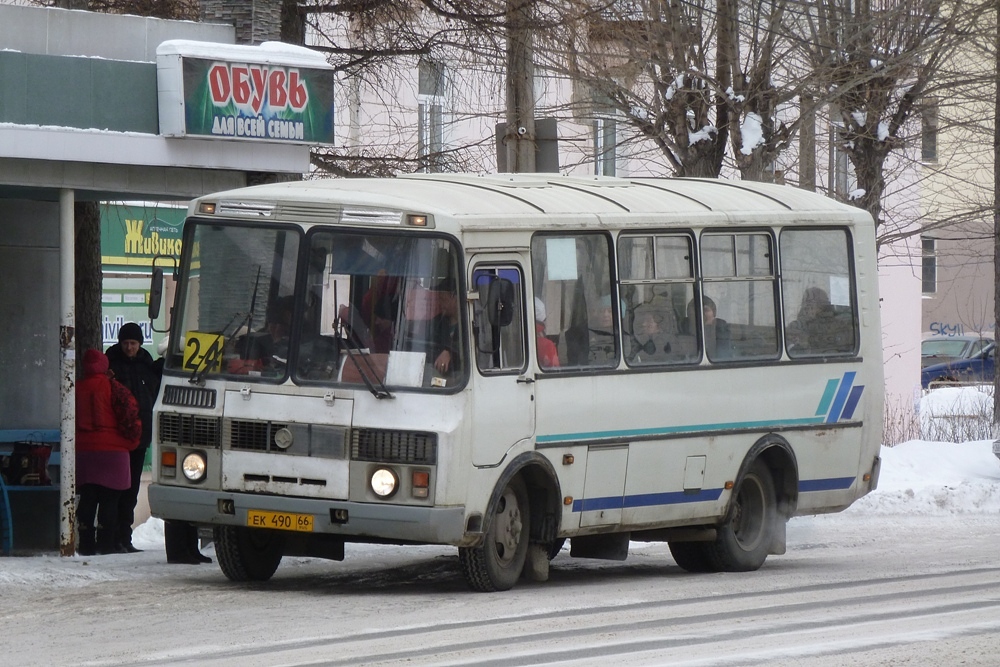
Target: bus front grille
x=189 y=397
x=373 y=444
x=252 y=435
x=189 y=430
x=317 y=440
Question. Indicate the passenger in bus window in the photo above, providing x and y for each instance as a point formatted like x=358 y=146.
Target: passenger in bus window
x=718 y=341
x=279 y=327
x=816 y=328
x=379 y=306
x=650 y=341
x=444 y=331
x=548 y=354
x=602 y=333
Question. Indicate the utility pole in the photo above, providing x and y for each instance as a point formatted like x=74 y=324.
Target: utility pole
x=996 y=212
x=520 y=137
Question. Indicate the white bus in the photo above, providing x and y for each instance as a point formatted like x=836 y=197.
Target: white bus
x=506 y=362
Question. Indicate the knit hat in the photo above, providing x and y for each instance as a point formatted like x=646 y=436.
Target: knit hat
x=95 y=362
x=131 y=331
x=539 y=310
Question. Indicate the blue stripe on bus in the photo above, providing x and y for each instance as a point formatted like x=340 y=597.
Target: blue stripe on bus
x=830 y=484
x=824 y=403
x=680 y=497
x=677 y=497
x=667 y=430
x=645 y=500
x=852 y=401
x=838 y=402
x=607 y=503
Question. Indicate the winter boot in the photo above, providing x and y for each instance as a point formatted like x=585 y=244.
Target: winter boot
x=88 y=542
x=107 y=542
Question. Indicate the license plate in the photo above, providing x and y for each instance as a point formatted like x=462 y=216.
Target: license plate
x=996 y=447
x=280 y=520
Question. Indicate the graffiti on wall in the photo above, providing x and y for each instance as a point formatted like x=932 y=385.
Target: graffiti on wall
x=954 y=329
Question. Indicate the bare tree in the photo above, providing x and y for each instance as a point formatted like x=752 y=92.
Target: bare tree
x=877 y=61
x=451 y=55
x=700 y=79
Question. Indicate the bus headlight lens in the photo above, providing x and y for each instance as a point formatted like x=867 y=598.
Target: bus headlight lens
x=384 y=482
x=194 y=467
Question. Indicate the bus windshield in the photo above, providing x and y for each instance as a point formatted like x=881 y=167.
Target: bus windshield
x=371 y=309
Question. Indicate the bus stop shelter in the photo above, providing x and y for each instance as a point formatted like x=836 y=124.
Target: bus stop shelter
x=92 y=108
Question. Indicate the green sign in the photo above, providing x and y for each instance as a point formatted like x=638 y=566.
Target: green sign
x=133 y=234
x=257 y=101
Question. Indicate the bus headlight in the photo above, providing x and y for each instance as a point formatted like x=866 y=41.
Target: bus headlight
x=384 y=482
x=194 y=466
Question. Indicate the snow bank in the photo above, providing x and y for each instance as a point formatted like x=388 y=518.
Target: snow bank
x=921 y=477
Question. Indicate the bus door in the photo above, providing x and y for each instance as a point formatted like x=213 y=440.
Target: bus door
x=503 y=397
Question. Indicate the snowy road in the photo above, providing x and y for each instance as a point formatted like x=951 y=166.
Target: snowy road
x=853 y=590
x=908 y=576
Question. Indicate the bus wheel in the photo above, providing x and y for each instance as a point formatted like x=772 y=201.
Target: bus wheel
x=692 y=556
x=743 y=542
x=248 y=554
x=496 y=564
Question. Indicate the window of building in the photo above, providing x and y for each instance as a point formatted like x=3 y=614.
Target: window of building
x=430 y=108
x=928 y=265
x=929 y=130
x=605 y=146
x=841 y=170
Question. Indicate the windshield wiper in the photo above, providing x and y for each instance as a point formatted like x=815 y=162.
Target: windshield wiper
x=369 y=375
x=216 y=350
x=214 y=353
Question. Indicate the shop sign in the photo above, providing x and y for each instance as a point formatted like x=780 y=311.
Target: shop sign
x=133 y=234
x=272 y=92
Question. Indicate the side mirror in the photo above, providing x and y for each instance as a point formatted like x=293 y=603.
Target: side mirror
x=155 y=293
x=499 y=302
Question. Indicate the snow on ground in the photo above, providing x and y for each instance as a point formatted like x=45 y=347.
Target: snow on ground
x=921 y=477
x=917 y=478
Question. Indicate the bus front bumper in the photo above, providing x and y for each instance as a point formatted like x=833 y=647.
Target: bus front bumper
x=378 y=522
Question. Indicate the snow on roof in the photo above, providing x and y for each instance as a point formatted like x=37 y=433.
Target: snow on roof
x=267 y=53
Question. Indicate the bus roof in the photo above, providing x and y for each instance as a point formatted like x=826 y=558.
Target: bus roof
x=513 y=200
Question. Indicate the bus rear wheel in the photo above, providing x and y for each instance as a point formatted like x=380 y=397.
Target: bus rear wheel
x=248 y=554
x=691 y=556
x=497 y=563
x=744 y=541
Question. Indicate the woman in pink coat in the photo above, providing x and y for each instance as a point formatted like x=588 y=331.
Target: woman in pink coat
x=107 y=429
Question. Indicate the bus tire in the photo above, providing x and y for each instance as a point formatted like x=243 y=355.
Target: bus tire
x=248 y=554
x=691 y=556
x=497 y=563
x=743 y=542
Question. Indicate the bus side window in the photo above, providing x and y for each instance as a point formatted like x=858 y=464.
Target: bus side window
x=656 y=281
x=817 y=286
x=498 y=319
x=740 y=290
x=572 y=277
